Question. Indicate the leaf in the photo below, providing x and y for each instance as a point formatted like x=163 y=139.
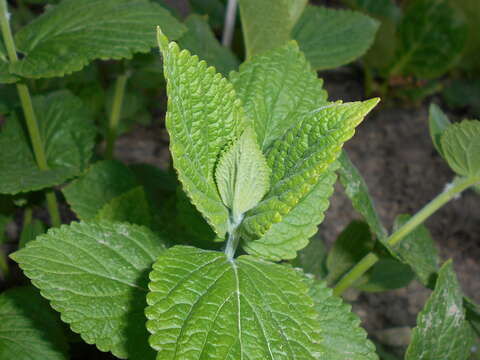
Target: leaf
x=438 y=122
x=203 y=116
x=431 y=37
x=132 y=207
x=213 y=9
x=442 y=331
x=460 y=144
x=276 y=88
x=30 y=231
x=96 y=29
x=68 y=136
x=357 y=191
x=387 y=274
x=102 y=182
x=267 y=24
x=353 y=243
x=312 y=258
x=472 y=312
x=417 y=250
x=5 y=76
x=29 y=328
x=378 y=8
x=331 y=38
x=95 y=275
x=202 y=305
x=342 y=336
x=200 y=40
x=242 y=176
x=300 y=161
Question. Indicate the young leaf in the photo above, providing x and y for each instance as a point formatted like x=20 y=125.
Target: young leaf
x=95 y=275
x=200 y=40
x=417 y=250
x=357 y=190
x=300 y=161
x=460 y=144
x=353 y=243
x=68 y=134
x=275 y=88
x=242 y=175
x=132 y=207
x=438 y=122
x=29 y=328
x=202 y=304
x=267 y=23
x=72 y=34
x=342 y=336
x=203 y=116
x=431 y=37
x=442 y=331
x=331 y=38
x=102 y=182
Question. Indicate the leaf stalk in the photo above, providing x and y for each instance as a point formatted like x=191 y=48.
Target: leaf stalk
x=120 y=85
x=229 y=27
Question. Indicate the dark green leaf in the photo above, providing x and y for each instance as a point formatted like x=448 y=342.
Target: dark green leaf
x=387 y=274
x=331 y=38
x=442 y=331
x=68 y=134
x=386 y=9
x=30 y=231
x=102 y=182
x=312 y=259
x=29 y=328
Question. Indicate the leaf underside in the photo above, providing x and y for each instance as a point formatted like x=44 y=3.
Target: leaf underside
x=72 y=34
x=201 y=305
x=68 y=134
x=95 y=275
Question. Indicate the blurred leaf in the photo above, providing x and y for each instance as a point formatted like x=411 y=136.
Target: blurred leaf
x=387 y=274
x=431 y=37
x=442 y=331
x=438 y=122
x=357 y=191
x=312 y=258
x=214 y=9
x=201 y=41
x=30 y=231
x=386 y=9
x=472 y=312
x=331 y=38
x=4 y=221
x=463 y=93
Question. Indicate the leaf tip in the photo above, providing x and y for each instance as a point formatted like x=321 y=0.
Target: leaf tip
x=162 y=39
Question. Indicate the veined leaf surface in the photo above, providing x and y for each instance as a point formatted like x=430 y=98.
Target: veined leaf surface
x=95 y=275
x=203 y=116
x=72 y=34
x=203 y=305
x=68 y=134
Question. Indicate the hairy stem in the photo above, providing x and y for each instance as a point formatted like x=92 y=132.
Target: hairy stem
x=229 y=27
x=120 y=85
x=29 y=113
x=450 y=192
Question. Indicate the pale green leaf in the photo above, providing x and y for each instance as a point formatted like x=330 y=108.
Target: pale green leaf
x=267 y=23
x=203 y=305
x=242 y=175
x=203 y=116
x=431 y=37
x=95 y=275
x=132 y=207
x=442 y=331
x=353 y=243
x=438 y=122
x=72 y=34
x=300 y=160
x=29 y=328
x=418 y=250
x=331 y=37
x=357 y=191
x=102 y=182
x=276 y=88
x=30 y=231
x=387 y=274
x=201 y=41
x=66 y=128
x=342 y=336
x=460 y=144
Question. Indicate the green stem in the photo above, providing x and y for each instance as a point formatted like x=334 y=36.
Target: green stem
x=450 y=192
x=30 y=118
x=120 y=85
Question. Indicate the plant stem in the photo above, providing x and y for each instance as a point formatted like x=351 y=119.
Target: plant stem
x=450 y=192
x=29 y=113
x=120 y=85
x=229 y=27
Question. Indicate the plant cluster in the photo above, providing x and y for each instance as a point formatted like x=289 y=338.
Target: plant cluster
x=217 y=259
